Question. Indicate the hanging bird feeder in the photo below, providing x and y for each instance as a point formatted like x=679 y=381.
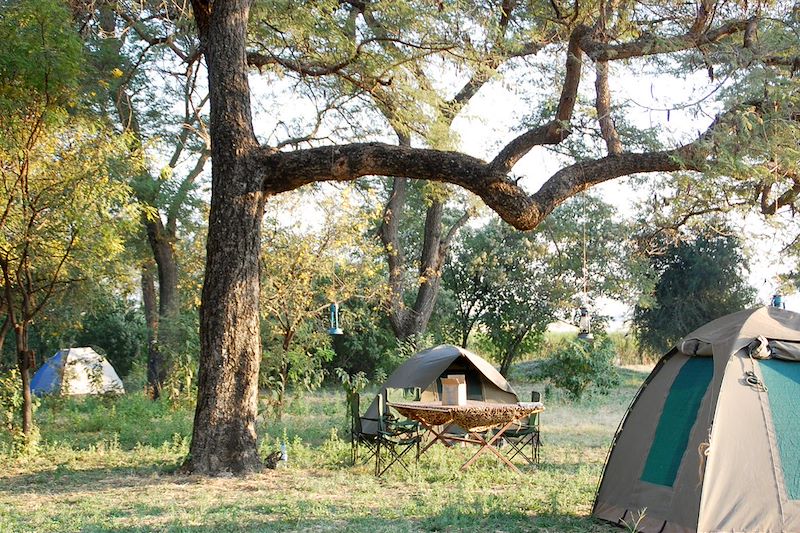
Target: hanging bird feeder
x=335 y=329
x=584 y=324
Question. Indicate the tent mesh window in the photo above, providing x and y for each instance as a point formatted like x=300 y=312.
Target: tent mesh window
x=782 y=379
x=677 y=418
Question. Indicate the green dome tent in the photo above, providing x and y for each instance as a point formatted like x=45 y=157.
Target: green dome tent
x=712 y=440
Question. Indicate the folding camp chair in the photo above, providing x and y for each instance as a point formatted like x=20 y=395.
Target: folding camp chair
x=403 y=395
x=395 y=440
x=357 y=435
x=527 y=434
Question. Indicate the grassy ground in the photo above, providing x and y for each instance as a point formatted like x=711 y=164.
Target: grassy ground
x=107 y=466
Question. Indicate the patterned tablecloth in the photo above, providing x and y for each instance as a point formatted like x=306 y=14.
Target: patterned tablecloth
x=475 y=416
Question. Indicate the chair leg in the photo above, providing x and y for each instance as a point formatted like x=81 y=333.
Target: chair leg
x=519 y=448
x=395 y=457
x=377 y=458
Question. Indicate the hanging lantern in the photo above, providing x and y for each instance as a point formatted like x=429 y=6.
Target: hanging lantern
x=584 y=324
x=335 y=329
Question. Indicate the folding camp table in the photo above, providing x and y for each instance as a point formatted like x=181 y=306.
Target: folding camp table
x=475 y=417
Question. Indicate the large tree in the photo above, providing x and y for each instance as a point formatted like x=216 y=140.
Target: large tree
x=699 y=279
x=245 y=173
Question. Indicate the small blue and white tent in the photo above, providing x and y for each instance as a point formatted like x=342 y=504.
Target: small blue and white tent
x=76 y=371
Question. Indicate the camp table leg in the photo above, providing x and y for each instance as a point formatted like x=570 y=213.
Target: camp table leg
x=489 y=445
x=436 y=436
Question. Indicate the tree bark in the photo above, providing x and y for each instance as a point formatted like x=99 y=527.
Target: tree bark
x=167 y=267
x=164 y=255
x=24 y=358
x=224 y=433
x=395 y=258
x=409 y=321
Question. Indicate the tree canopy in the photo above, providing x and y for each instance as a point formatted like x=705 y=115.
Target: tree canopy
x=699 y=279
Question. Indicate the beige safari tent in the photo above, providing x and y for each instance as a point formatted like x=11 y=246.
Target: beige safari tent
x=712 y=440
x=426 y=369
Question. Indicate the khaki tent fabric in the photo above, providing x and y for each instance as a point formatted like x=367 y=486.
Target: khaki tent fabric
x=730 y=476
x=425 y=368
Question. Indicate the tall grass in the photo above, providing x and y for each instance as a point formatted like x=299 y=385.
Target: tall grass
x=107 y=464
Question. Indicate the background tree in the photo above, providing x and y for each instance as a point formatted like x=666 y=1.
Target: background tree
x=514 y=284
x=60 y=199
x=303 y=271
x=245 y=174
x=699 y=279
x=524 y=296
x=147 y=67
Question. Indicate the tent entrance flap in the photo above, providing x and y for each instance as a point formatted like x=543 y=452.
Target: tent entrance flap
x=676 y=421
x=782 y=379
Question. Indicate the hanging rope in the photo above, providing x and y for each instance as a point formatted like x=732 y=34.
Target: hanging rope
x=703 y=450
x=585 y=268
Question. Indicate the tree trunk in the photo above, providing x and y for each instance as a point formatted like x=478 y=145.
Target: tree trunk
x=466 y=328
x=434 y=250
x=164 y=255
x=511 y=353
x=395 y=258
x=405 y=321
x=4 y=329
x=224 y=433
x=24 y=358
x=156 y=372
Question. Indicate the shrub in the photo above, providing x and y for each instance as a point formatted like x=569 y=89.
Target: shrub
x=579 y=364
x=10 y=400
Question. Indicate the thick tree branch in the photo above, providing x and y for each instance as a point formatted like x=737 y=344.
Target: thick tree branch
x=497 y=190
x=557 y=129
x=603 y=105
x=788 y=197
x=792 y=63
x=653 y=45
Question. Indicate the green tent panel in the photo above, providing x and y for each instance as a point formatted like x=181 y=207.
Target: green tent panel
x=676 y=421
x=782 y=379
